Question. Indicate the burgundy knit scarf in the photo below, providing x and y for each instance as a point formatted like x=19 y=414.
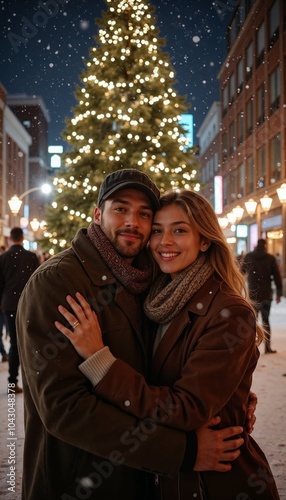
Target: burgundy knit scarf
x=134 y=279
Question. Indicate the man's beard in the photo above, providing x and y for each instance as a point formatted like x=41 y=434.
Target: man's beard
x=127 y=249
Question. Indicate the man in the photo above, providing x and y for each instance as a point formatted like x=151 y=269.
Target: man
x=79 y=446
x=262 y=270
x=16 y=267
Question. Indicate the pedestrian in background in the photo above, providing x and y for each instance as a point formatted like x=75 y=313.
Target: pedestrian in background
x=262 y=270
x=16 y=267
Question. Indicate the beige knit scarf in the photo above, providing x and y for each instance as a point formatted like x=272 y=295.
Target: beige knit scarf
x=166 y=298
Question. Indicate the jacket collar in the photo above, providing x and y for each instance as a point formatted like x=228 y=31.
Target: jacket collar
x=101 y=276
x=200 y=302
x=98 y=272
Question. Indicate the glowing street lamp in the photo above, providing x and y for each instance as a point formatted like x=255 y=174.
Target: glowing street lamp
x=223 y=222
x=238 y=212
x=16 y=201
x=231 y=217
x=282 y=193
x=35 y=224
x=250 y=206
x=266 y=203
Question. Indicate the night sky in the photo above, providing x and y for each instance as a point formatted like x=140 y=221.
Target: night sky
x=50 y=63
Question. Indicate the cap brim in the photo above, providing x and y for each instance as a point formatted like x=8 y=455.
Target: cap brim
x=134 y=185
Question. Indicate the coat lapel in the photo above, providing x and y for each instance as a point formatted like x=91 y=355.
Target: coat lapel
x=132 y=306
x=198 y=305
x=174 y=331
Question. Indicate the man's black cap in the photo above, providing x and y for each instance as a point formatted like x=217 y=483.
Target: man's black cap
x=128 y=178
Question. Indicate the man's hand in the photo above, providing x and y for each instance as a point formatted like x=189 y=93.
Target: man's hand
x=213 y=449
x=250 y=415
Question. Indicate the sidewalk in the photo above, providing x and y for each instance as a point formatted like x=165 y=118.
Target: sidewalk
x=269 y=384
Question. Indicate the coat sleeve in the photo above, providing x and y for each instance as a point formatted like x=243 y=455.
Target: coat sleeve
x=212 y=371
x=59 y=398
x=277 y=278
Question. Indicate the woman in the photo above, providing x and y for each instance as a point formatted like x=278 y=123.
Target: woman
x=204 y=353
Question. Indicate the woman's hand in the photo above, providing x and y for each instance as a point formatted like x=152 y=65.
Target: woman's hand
x=250 y=415
x=86 y=335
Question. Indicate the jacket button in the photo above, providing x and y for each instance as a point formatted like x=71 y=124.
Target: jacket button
x=127 y=402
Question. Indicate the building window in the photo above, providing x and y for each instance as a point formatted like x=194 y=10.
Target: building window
x=225 y=189
x=250 y=174
x=208 y=171
x=216 y=162
x=231 y=88
x=55 y=161
x=261 y=168
x=203 y=174
x=240 y=76
x=225 y=98
x=260 y=44
x=260 y=103
x=249 y=117
x=275 y=90
x=275 y=158
x=273 y=23
x=224 y=146
x=249 y=61
x=241 y=180
x=210 y=165
x=240 y=124
x=232 y=186
x=232 y=32
x=232 y=138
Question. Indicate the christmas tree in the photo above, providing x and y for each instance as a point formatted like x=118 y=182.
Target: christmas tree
x=128 y=115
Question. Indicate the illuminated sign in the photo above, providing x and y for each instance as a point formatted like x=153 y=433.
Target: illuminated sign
x=218 y=206
x=187 y=122
x=241 y=230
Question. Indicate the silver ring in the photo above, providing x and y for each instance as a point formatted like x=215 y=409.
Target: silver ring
x=75 y=324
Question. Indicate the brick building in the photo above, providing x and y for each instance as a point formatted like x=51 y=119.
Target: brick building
x=34 y=116
x=252 y=137
x=14 y=162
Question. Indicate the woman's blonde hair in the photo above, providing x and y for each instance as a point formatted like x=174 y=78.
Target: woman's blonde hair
x=202 y=216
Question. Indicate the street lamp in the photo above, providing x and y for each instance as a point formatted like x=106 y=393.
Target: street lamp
x=223 y=222
x=36 y=225
x=231 y=218
x=266 y=203
x=282 y=193
x=16 y=201
x=238 y=212
x=252 y=206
